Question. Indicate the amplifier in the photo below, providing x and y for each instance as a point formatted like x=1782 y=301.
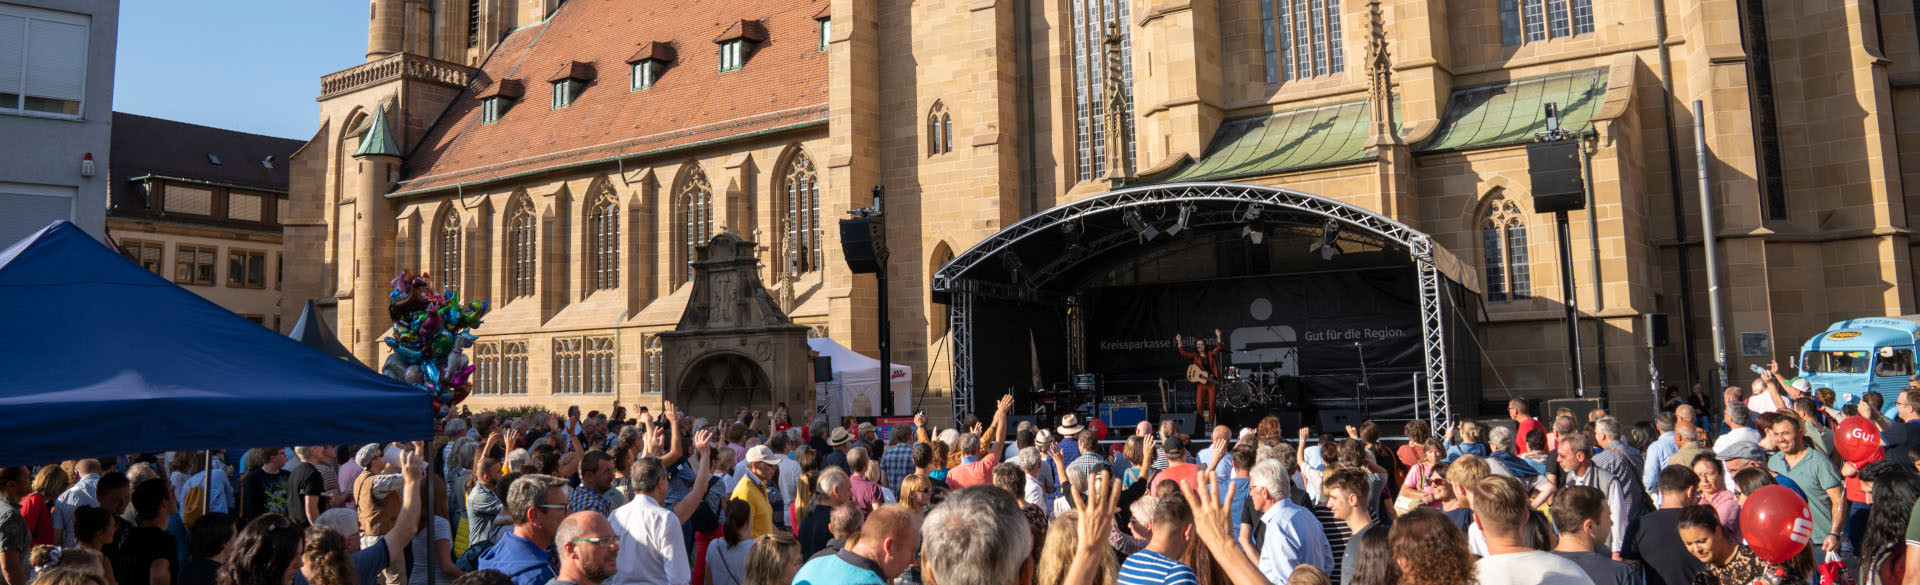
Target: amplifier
x=1123 y=414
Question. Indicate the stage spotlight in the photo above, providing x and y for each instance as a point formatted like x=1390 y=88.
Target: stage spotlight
x=1016 y=270
x=1329 y=244
x=1256 y=228
x=1074 y=252
x=1186 y=213
x=1140 y=226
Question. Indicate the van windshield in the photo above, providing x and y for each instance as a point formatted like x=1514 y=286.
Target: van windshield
x=1836 y=362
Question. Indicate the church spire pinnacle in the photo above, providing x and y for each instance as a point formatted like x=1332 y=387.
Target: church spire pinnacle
x=1379 y=79
x=1113 y=109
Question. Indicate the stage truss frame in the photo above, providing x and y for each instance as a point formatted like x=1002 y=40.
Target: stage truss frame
x=961 y=291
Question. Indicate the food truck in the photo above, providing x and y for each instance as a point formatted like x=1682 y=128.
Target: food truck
x=1857 y=356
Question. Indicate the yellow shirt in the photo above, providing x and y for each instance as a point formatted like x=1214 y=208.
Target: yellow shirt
x=750 y=490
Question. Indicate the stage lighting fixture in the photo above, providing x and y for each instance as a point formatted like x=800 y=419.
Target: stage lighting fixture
x=1186 y=213
x=1256 y=228
x=1146 y=232
x=1016 y=270
x=1329 y=244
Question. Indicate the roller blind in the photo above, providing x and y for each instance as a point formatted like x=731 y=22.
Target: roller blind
x=243 y=206
x=43 y=59
x=186 y=199
x=24 y=209
x=13 y=57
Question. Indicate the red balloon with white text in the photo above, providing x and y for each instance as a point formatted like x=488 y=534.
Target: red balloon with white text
x=1777 y=523
x=1858 y=441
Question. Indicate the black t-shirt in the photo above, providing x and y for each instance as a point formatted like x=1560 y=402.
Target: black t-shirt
x=1654 y=539
x=1898 y=436
x=302 y=481
x=145 y=545
x=198 y=572
x=262 y=493
x=814 y=532
x=1462 y=518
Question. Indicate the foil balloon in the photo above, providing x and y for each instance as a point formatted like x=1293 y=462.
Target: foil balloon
x=430 y=336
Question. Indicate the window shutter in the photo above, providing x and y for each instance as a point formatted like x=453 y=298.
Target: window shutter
x=184 y=199
x=28 y=213
x=56 y=60
x=243 y=206
x=13 y=54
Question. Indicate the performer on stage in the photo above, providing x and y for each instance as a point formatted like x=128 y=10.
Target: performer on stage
x=1204 y=372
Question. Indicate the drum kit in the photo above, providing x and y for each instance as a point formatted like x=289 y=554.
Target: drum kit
x=1247 y=387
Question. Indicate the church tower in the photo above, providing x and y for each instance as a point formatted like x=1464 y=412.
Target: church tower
x=342 y=234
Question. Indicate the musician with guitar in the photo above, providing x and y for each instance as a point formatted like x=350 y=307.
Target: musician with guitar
x=1204 y=372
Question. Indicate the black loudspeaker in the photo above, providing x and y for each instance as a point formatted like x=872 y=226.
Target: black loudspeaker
x=863 y=241
x=823 y=369
x=1335 y=420
x=1187 y=423
x=1555 y=169
x=1579 y=406
x=1656 y=329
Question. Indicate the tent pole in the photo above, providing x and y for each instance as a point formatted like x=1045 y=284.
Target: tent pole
x=206 y=484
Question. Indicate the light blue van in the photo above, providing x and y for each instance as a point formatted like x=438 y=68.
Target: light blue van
x=1859 y=355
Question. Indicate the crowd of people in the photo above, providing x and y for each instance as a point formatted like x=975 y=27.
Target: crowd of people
x=633 y=498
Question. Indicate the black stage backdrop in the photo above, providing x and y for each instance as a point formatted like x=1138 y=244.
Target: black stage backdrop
x=1304 y=325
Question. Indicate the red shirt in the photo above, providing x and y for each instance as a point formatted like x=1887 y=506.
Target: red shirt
x=37 y=511
x=1185 y=473
x=1527 y=426
x=972 y=474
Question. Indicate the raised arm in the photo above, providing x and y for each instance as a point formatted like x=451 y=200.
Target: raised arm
x=994 y=430
x=674 y=449
x=1211 y=513
x=1096 y=522
x=408 y=521
x=702 y=471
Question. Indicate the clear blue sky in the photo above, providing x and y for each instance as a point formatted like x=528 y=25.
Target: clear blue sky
x=247 y=65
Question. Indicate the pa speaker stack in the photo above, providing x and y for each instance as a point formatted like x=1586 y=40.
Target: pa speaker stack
x=1554 y=167
x=863 y=240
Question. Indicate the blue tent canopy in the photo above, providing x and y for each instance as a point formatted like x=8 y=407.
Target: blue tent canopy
x=101 y=357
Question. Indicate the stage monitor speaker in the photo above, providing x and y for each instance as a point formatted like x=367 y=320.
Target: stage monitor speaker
x=1187 y=423
x=1580 y=407
x=1656 y=329
x=823 y=369
x=863 y=241
x=1335 y=420
x=1555 y=169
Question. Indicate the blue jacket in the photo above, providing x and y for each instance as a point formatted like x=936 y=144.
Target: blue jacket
x=522 y=561
x=842 y=568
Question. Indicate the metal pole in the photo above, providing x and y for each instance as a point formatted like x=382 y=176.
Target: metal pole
x=1571 y=304
x=886 y=333
x=1593 y=248
x=1673 y=188
x=1707 y=240
x=206 y=483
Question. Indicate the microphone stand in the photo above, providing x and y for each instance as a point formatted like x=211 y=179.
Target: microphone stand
x=1360 y=389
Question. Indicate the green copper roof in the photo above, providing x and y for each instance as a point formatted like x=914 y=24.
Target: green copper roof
x=378 y=141
x=1509 y=112
x=1286 y=140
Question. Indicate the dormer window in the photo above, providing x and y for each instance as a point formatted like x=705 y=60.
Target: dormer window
x=569 y=81
x=826 y=33
x=564 y=92
x=495 y=101
x=738 y=41
x=733 y=54
x=648 y=63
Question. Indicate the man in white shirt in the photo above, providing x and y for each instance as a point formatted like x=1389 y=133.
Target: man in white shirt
x=1768 y=394
x=652 y=550
x=1740 y=419
x=82 y=492
x=1500 y=506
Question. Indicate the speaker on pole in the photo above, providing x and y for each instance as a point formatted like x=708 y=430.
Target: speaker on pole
x=1554 y=167
x=1656 y=329
x=823 y=369
x=863 y=241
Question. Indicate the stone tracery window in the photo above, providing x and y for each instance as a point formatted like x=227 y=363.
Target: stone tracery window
x=521 y=248
x=656 y=360
x=447 y=262
x=693 y=210
x=939 y=130
x=801 y=186
x=1526 y=21
x=1504 y=239
x=1090 y=18
x=603 y=240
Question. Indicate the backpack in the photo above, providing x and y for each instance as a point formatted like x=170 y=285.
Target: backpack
x=195 y=506
x=470 y=560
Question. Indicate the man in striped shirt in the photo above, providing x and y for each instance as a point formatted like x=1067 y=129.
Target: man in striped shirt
x=1172 y=534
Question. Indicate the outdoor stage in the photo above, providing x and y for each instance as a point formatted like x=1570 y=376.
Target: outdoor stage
x=1329 y=314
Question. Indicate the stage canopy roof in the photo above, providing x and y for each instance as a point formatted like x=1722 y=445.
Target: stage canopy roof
x=105 y=358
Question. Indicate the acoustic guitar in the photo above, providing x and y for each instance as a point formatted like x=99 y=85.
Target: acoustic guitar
x=1199 y=375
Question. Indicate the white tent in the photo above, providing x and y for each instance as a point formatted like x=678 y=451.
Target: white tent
x=855 y=389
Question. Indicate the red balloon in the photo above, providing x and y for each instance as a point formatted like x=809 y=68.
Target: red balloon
x=1777 y=523
x=1858 y=441
x=1099 y=429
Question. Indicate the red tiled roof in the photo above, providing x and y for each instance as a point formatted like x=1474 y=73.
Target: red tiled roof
x=751 y=30
x=784 y=83
x=508 y=88
x=655 y=50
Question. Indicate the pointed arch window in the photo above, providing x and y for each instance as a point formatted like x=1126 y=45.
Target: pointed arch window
x=656 y=358
x=939 y=130
x=521 y=249
x=693 y=209
x=603 y=233
x=1090 y=19
x=1503 y=237
x=447 y=262
x=801 y=186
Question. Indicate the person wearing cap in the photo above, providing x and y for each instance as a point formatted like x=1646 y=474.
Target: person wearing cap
x=838 y=443
x=759 y=490
x=1177 y=466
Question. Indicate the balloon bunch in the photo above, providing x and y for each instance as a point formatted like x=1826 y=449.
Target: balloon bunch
x=431 y=332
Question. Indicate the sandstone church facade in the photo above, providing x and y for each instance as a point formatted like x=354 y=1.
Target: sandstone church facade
x=567 y=161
